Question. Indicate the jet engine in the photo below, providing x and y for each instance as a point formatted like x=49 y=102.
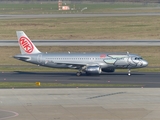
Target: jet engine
x=108 y=69
x=93 y=70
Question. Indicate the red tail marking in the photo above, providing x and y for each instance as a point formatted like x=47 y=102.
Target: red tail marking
x=26 y=44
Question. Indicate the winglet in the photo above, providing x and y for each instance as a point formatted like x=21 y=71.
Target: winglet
x=26 y=45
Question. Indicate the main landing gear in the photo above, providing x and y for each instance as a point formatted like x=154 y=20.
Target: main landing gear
x=79 y=73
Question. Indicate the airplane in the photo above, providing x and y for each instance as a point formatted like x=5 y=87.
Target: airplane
x=89 y=63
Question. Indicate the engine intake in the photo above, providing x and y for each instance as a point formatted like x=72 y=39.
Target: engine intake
x=93 y=70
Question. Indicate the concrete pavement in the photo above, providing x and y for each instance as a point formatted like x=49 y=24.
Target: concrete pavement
x=76 y=104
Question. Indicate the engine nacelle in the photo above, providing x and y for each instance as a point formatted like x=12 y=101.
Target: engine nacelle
x=93 y=70
x=108 y=69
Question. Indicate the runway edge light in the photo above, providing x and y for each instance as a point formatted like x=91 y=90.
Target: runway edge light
x=38 y=83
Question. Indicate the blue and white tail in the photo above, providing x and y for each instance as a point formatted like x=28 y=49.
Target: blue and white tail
x=26 y=45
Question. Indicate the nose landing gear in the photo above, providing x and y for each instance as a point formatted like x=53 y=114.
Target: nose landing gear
x=129 y=72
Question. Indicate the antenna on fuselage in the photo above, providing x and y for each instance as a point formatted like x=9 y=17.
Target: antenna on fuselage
x=127 y=53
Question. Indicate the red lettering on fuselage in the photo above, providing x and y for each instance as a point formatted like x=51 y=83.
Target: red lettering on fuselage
x=102 y=56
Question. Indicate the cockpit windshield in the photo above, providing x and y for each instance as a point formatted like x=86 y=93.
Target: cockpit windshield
x=138 y=58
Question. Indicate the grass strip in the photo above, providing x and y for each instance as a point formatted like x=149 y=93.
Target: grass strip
x=77 y=7
x=135 y=27
x=60 y=85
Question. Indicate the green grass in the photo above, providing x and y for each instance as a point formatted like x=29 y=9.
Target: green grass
x=28 y=8
x=52 y=7
x=60 y=85
x=140 y=27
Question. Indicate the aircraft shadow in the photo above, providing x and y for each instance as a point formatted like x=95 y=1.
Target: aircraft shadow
x=74 y=74
x=43 y=73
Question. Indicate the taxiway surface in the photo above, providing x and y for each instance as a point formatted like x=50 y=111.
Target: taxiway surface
x=80 y=104
x=148 y=80
x=77 y=15
x=85 y=42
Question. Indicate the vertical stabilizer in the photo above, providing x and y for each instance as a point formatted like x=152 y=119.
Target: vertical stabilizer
x=26 y=45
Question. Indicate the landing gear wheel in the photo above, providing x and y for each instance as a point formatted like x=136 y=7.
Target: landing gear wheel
x=79 y=73
x=129 y=72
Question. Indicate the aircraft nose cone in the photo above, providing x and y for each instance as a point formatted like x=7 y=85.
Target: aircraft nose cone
x=145 y=63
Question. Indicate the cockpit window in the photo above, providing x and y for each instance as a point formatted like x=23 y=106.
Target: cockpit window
x=138 y=58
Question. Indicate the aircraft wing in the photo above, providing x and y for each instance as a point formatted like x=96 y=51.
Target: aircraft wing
x=75 y=65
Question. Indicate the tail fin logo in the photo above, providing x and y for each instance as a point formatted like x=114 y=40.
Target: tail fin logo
x=26 y=44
